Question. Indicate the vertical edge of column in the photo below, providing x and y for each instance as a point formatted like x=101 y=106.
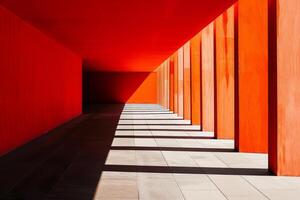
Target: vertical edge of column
x=272 y=72
x=236 y=77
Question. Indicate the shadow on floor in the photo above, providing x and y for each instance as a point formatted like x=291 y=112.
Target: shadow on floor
x=67 y=163
x=188 y=170
x=64 y=164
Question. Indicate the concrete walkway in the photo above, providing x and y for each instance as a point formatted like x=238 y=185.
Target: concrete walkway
x=137 y=152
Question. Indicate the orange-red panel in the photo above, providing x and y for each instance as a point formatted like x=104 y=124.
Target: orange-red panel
x=196 y=79
x=253 y=76
x=284 y=135
x=171 y=81
x=187 y=81
x=180 y=82
x=167 y=82
x=175 y=58
x=208 y=78
x=224 y=33
x=146 y=91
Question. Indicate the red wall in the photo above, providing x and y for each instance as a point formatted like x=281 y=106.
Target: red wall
x=224 y=33
x=252 y=135
x=120 y=87
x=208 y=97
x=196 y=100
x=284 y=101
x=40 y=82
x=187 y=81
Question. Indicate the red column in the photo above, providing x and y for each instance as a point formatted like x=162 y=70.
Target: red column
x=171 y=83
x=196 y=79
x=158 y=86
x=208 y=78
x=187 y=81
x=163 y=96
x=175 y=57
x=284 y=99
x=167 y=82
x=252 y=133
x=224 y=33
x=180 y=82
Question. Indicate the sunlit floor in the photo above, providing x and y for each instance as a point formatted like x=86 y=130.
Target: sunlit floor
x=157 y=155
x=145 y=152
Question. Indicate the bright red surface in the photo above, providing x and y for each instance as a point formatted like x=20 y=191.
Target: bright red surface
x=40 y=82
x=120 y=35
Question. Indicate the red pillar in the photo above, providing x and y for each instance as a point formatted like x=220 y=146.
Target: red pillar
x=284 y=99
x=175 y=58
x=196 y=79
x=187 y=81
x=180 y=82
x=171 y=83
x=208 y=78
x=167 y=82
x=252 y=133
x=224 y=33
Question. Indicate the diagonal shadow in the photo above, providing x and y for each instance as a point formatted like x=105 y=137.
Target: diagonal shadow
x=66 y=163
x=188 y=170
x=142 y=148
x=164 y=137
x=151 y=129
x=158 y=124
x=158 y=119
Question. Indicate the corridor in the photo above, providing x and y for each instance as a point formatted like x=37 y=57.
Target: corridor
x=137 y=151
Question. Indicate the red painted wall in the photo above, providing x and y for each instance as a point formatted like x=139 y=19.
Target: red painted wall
x=284 y=82
x=180 y=82
x=253 y=76
x=175 y=58
x=224 y=34
x=208 y=78
x=40 y=82
x=187 y=81
x=171 y=80
x=120 y=87
x=196 y=79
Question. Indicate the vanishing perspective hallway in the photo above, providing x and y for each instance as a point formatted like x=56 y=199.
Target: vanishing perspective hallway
x=137 y=152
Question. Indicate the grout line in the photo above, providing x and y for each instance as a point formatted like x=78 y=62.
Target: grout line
x=167 y=164
x=243 y=178
x=212 y=181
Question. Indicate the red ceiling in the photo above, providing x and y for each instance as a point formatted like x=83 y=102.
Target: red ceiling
x=120 y=35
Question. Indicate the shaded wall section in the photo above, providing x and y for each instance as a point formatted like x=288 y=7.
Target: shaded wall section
x=40 y=84
x=120 y=87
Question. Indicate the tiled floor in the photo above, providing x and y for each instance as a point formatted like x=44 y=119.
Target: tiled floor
x=137 y=152
x=157 y=155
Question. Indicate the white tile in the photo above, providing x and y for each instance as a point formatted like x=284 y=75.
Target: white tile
x=150 y=158
x=121 y=157
x=203 y=195
x=159 y=189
